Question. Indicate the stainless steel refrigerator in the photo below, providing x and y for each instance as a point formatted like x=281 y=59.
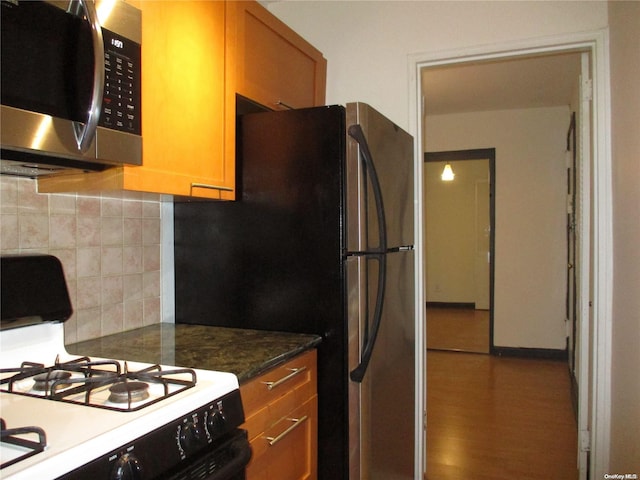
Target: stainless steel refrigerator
x=319 y=241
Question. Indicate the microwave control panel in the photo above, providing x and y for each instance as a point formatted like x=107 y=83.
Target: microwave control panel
x=121 y=98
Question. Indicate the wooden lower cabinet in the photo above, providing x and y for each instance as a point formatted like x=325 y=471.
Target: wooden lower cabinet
x=281 y=411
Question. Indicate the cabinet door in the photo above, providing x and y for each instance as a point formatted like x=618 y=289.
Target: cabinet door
x=183 y=101
x=270 y=63
x=287 y=450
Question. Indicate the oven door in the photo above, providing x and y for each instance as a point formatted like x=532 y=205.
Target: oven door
x=226 y=461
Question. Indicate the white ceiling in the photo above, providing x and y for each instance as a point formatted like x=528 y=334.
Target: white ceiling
x=541 y=81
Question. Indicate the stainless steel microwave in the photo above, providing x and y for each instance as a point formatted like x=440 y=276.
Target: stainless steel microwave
x=70 y=91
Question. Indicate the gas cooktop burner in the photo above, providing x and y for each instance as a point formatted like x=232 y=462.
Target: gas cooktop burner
x=45 y=381
x=108 y=384
x=129 y=392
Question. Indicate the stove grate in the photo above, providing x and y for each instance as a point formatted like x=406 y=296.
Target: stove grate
x=13 y=436
x=94 y=378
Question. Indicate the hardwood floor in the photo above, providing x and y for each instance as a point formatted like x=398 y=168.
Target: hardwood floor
x=465 y=330
x=494 y=418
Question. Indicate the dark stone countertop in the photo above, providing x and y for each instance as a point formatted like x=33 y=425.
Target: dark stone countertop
x=246 y=353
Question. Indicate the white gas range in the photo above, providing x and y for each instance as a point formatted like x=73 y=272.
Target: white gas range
x=71 y=417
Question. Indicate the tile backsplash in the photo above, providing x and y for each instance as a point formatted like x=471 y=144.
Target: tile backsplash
x=109 y=245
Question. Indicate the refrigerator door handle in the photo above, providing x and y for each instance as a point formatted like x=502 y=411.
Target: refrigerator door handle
x=355 y=132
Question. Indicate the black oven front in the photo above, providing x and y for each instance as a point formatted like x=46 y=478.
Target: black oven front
x=205 y=444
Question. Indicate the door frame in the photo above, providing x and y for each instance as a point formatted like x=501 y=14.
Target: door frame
x=479 y=154
x=599 y=303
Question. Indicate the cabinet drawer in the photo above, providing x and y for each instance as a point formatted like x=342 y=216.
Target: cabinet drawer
x=287 y=450
x=297 y=375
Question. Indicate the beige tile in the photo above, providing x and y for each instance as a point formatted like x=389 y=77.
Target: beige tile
x=67 y=257
x=132 y=234
x=8 y=232
x=151 y=258
x=89 y=231
x=88 y=206
x=151 y=311
x=111 y=258
x=89 y=261
x=132 y=259
x=8 y=195
x=111 y=207
x=62 y=204
x=111 y=230
x=89 y=324
x=29 y=200
x=71 y=330
x=62 y=231
x=151 y=209
x=132 y=287
x=112 y=319
x=133 y=314
x=112 y=290
x=151 y=231
x=89 y=293
x=108 y=244
x=132 y=208
x=151 y=284
x=33 y=231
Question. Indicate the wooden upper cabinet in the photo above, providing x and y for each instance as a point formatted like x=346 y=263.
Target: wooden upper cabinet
x=196 y=56
x=270 y=63
x=185 y=137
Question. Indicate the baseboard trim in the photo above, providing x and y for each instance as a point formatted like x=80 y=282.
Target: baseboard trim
x=543 y=353
x=461 y=305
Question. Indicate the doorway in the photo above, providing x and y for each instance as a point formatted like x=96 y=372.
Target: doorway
x=459 y=239
x=594 y=233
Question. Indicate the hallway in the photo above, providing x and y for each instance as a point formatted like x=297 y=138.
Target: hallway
x=460 y=329
x=494 y=418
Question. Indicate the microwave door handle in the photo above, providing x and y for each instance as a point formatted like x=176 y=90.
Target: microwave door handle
x=85 y=133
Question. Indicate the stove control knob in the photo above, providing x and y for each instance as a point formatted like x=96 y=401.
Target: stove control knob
x=192 y=437
x=216 y=422
x=127 y=467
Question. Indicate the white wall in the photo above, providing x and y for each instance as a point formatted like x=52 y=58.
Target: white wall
x=625 y=118
x=367 y=43
x=454 y=233
x=530 y=231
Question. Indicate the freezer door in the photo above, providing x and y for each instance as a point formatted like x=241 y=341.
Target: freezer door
x=392 y=154
x=382 y=406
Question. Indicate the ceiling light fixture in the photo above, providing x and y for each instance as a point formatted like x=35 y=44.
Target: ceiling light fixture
x=447 y=173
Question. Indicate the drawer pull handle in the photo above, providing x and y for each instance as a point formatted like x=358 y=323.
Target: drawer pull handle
x=296 y=423
x=211 y=187
x=294 y=372
x=218 y=188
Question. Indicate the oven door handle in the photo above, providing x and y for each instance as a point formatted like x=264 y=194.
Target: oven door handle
x=241 y=454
